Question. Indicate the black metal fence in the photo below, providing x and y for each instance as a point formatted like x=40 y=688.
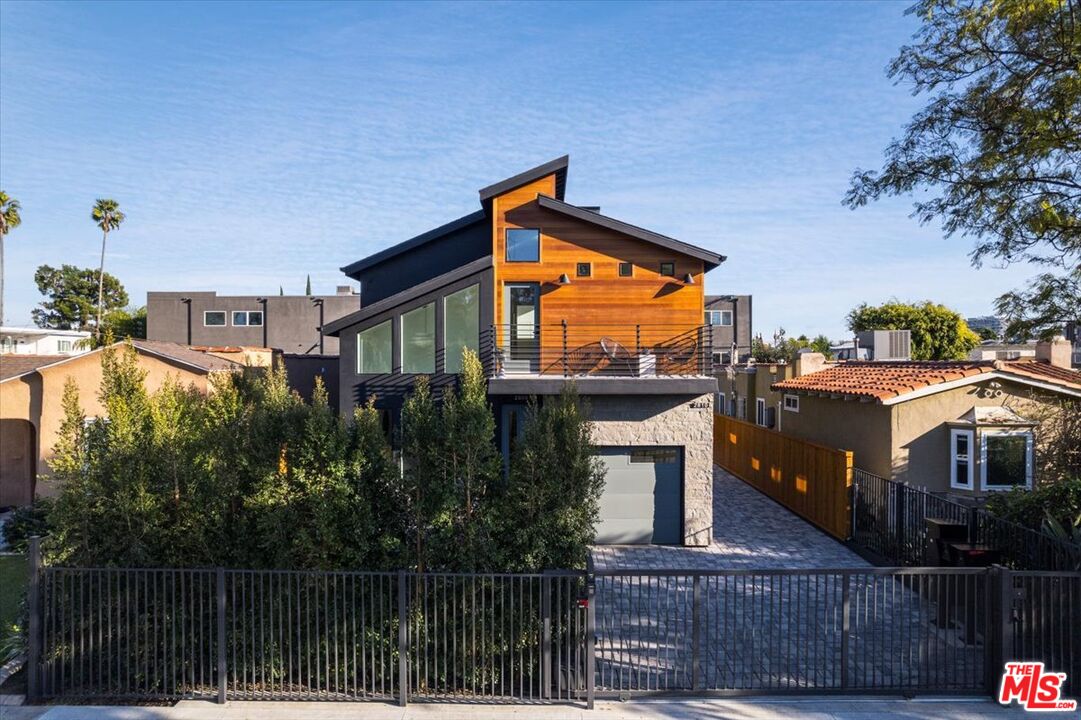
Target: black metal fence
x=104 y=634
x=890 y=519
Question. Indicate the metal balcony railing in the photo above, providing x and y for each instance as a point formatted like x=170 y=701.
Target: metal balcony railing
x=611 y=350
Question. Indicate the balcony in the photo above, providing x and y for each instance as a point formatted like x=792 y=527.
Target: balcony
x=592 y=354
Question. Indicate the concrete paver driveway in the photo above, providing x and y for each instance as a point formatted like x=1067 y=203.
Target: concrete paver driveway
x=749 y=531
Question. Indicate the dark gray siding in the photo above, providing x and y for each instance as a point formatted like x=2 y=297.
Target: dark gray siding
x=390 y=389
x=302 y=370
x=403 y=271
x=291 y=323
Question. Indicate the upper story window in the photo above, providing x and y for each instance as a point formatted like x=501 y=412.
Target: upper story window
x=585 y=269
x=1006 y=459
x=418 y=340
x=668 y=269
x=374 y=349
x=461 y=326
x=214 y=318
x=626 y=269
x=719 y=317
x=63 y=345
x=248 y=318
x=523 y=245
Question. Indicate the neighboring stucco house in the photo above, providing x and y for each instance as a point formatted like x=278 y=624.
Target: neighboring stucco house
x=547 y=291
x=43 y=341
x=31 y=411
x=745 y=390
x=965 y=428
x=288 y=323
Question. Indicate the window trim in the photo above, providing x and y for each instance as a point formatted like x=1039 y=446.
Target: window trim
x=719 y=401
x=990 y=433
x=630 y=269
x=224 y=319
x=588 y=269
x=785 y=405
x=760 y=412
x=720 y=317
x=968 y=458
x=506 y=244
x=388 y=321
x=247 y=317
x=668 y=262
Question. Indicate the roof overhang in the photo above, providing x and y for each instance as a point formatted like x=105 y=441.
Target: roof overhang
x=412 y=243
x=334 y=327
x=708 y=257
x=557 y=166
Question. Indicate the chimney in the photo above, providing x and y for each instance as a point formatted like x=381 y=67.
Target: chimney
x=809 y=362
x=1056 y=351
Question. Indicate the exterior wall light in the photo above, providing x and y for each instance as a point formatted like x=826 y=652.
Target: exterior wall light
x=564 y=279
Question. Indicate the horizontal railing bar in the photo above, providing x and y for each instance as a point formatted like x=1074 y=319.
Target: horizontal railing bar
x=631 y=572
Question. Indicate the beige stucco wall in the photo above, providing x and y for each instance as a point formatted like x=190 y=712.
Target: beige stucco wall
x=920 y=437
x=685 y=421
x=863 y=428
x=38 y=397
x=753 y=382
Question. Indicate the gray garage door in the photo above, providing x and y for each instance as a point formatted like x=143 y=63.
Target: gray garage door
x=642 y=498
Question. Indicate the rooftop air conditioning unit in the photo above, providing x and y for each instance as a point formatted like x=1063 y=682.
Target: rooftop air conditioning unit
x=886 y=344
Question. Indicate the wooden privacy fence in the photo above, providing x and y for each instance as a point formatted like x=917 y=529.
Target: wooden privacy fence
x=811 y=480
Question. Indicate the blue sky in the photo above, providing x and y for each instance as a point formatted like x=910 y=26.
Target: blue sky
x=253 y=144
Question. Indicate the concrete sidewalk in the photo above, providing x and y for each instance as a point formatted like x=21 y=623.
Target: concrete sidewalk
x=820 y=708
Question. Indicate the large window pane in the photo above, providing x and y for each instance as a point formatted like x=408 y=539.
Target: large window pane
x=418 y=340
x=461 y=318
x=1007 y=459
x=523 y=245
x=374 y=349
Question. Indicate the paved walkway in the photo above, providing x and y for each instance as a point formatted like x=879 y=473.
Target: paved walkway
x=837 y=708
x=749 y=531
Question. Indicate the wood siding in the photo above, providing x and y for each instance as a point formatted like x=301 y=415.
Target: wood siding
x=607 y=304
x=811 y=480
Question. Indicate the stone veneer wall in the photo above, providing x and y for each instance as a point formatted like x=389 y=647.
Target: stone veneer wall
x=679 y=420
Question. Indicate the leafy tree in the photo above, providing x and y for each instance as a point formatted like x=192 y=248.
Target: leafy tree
x=996 y=151
x=107 y=216
x=548 y=512
x=423 y=483
x=938 y=333
x=126 y=322
x=9 y=219
x=821 y=344
x=986 y=333
x=472 y=465
x=70 y=296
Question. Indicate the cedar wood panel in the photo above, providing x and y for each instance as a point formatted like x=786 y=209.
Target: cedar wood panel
x=604 y=299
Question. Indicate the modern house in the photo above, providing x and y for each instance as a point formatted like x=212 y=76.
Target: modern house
x=43 y=341
x=31 y=403
x=729 y=321
x=964 y=428
x=548 y=292
x=288 y=323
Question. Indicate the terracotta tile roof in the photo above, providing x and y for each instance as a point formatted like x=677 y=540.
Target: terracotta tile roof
x=880 y=381
x=12 y=366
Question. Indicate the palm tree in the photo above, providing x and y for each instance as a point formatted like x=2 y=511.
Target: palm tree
x=9 y=218
x=107 y=216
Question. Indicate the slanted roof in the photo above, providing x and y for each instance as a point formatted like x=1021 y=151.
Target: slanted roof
x=13 y=366
x=424 y=238
x=891 y=382
x=710 y=258
x=334 y=327
x=195 y=359
x=557 y=166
